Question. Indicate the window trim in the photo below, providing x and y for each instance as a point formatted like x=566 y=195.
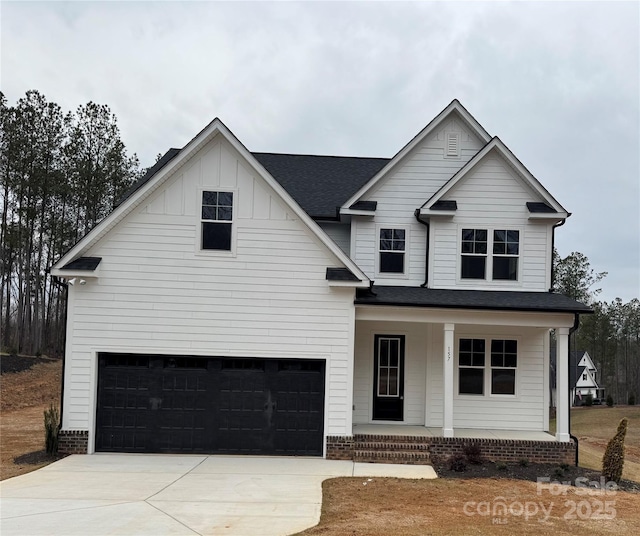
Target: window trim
x=487 y=369
x=199 y=221
x=378 y=251
x=489 y=257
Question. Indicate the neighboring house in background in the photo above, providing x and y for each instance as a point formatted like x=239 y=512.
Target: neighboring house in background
x=583 y=379
x=239 y=302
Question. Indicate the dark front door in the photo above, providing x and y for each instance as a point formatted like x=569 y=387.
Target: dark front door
x=210 y=405
x=388 y=378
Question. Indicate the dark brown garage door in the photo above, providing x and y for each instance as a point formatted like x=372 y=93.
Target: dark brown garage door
x=209 y=405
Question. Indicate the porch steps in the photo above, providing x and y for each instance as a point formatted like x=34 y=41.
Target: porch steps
x=391 y=449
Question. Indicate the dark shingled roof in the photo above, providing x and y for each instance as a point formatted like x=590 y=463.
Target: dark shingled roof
x=499 y=300
x=445 y=205
x=365 y=205
x=539 y=207
x=83 y=263
x=340 y=274
x=320 y=184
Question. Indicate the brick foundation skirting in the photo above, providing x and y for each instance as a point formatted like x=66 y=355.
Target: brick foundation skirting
x=73 y=441
x=440 y=448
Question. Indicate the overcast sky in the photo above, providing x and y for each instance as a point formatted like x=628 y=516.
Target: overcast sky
x=557 y=82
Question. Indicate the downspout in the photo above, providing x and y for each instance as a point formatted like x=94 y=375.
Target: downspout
x=65 y=286
x=553 y=248
x=426 y=259
x=576 y=324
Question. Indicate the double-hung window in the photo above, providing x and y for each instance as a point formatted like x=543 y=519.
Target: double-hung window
x=474 y=254
x=506 y=248
x=216 y=220
x=392 y=251
x=475 y=261
x=472 y=363
x=504 y=360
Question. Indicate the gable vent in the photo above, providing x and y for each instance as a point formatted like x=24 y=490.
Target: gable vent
x=453 y=144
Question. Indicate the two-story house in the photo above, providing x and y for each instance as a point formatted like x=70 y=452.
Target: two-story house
x=368 y=308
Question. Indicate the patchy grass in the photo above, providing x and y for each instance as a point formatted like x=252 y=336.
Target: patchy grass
x=383 y=506
x=594 y=426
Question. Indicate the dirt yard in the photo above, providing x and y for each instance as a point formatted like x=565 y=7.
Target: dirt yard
x=359 y=506
x=24 y=396
x=455 y=504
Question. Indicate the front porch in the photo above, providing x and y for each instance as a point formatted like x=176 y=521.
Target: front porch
x=388 y=443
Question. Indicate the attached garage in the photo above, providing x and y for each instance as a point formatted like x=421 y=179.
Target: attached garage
x=184 y=404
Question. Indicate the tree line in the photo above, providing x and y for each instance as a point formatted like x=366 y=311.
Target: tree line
x=61 y=173
x=611 y=335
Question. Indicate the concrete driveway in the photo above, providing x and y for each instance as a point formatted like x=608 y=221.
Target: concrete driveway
x=133 y=494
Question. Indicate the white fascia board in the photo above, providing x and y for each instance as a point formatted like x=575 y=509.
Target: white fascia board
x=356 y=284
x=426 y=212
x=139 y=195
x=548 y=216
x=479 y=317
x=355 y=212
x=69 y=274
x=209 y=132
x=523 y=172
x=454 y=106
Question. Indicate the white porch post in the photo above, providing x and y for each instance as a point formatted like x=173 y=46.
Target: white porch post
x=562 y=385
x=447 y=424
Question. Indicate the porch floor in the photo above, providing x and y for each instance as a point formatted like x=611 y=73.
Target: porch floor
x=407 y=430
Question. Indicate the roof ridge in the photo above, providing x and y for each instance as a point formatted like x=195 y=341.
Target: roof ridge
x=322 y=155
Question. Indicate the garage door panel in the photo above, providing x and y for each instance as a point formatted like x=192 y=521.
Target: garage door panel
x=212 y=405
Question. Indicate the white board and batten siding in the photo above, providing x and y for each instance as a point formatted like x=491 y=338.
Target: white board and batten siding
x=423 y=388
x=158 y=293
x=411 y=183
x=491 y=196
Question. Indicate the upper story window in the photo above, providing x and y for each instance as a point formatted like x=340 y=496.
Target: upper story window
x=474 y=254
x=392 y=251
x=506 y=248
x=217 y=217
x=475 y=245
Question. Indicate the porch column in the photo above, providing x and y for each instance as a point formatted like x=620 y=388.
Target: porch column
x=562 y=385
x=447 y=423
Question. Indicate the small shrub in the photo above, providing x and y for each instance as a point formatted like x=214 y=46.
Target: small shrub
x=564 y=466
x=38 y=353
x=457 y=463
x=609 y=401
x=501 y=466
x=589 y=400
x=523 y=462
x=558 y=472
x=632 y=400
x=473 y=453
x=613 y=459
x=51 y=428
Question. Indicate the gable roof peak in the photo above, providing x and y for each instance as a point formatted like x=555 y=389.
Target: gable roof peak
x=453 y=107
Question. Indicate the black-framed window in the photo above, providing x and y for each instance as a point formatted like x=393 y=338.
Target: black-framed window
x=504 y=361
x=217 y=217
x=474 y=254
x=392 y=250
x=471 y=361
x=506 y=250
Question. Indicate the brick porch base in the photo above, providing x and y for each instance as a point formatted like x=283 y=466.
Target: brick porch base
x=425 y=449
